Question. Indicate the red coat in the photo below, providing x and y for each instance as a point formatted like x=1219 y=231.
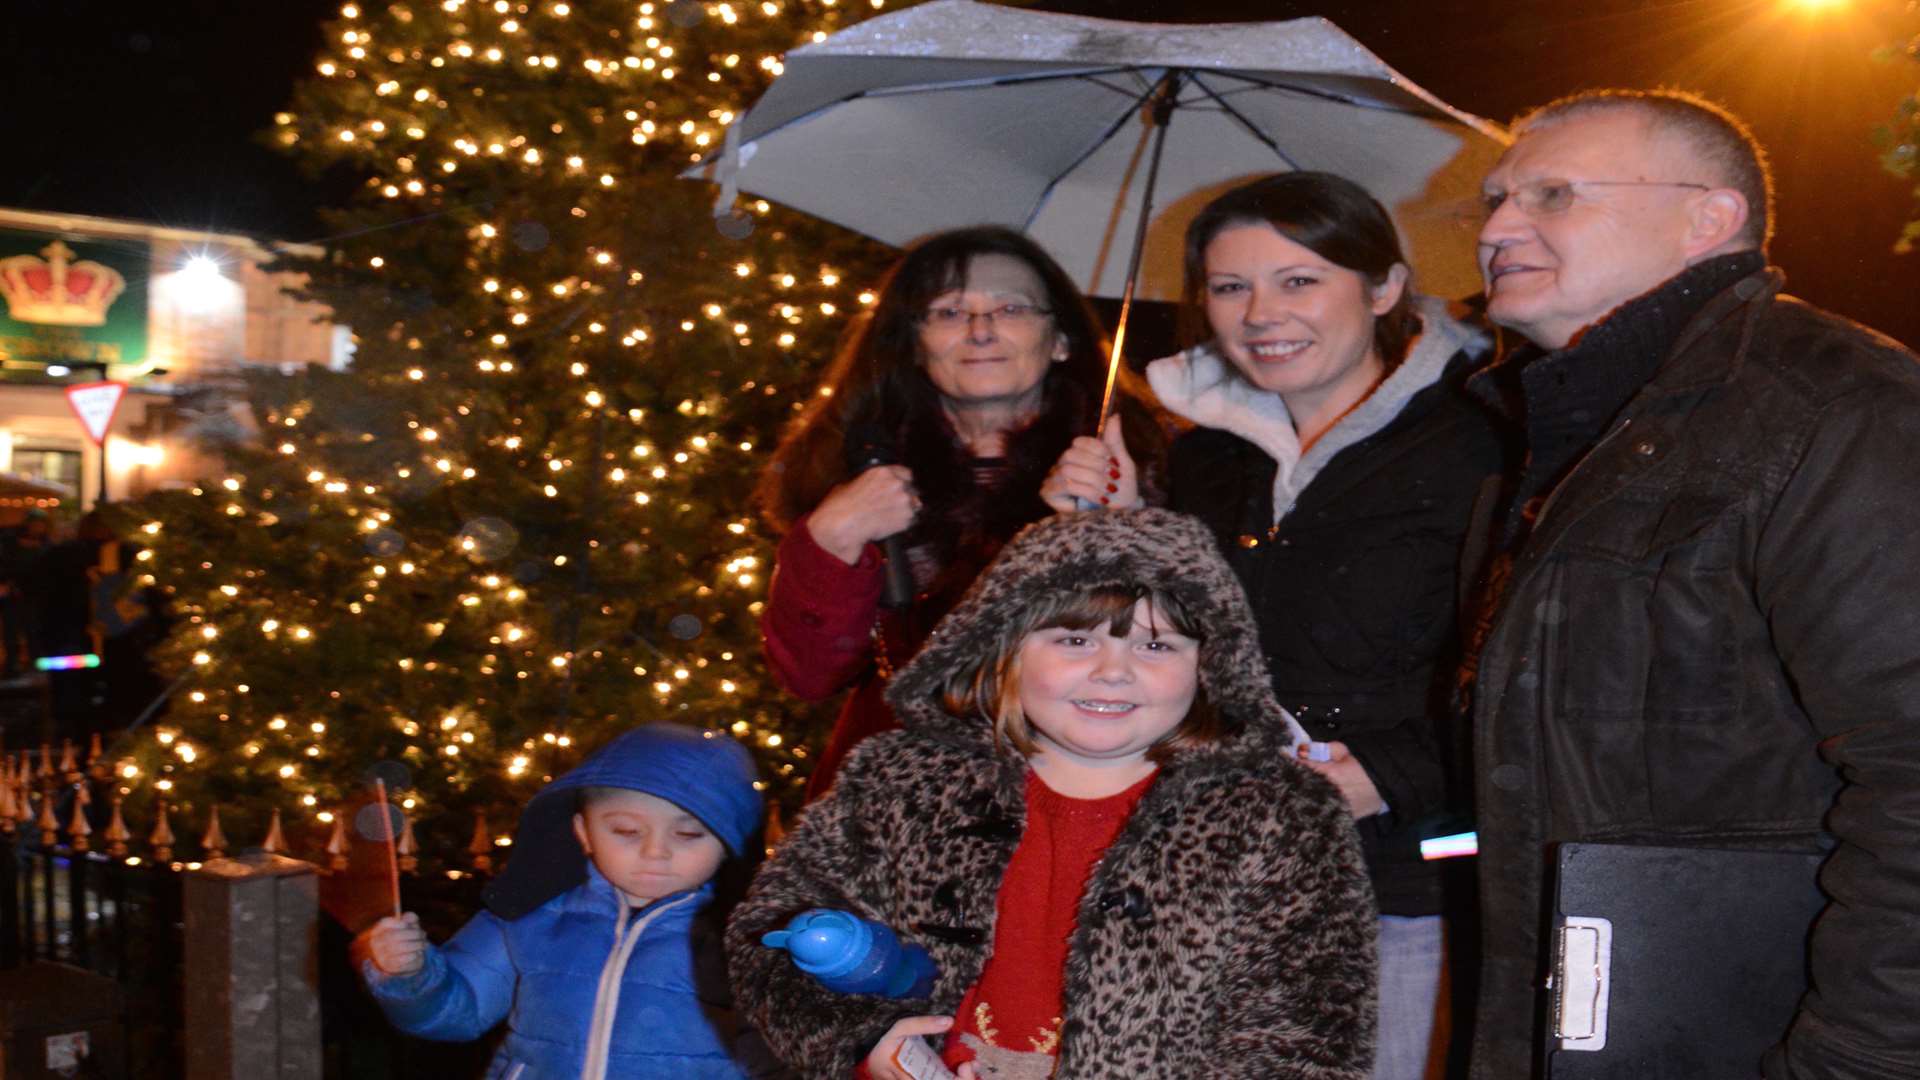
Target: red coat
x=818 y=629
x=823 y=629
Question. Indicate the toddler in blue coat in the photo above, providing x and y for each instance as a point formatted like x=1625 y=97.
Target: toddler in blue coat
x=593 y=946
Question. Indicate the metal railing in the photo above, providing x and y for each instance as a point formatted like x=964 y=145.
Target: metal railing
x=73 y=890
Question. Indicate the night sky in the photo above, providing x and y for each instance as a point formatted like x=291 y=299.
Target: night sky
x=150 y=110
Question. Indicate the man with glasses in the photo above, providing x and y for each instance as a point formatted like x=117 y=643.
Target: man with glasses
x=1702 y=614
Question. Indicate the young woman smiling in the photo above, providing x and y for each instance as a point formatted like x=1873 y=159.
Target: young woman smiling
x=1337 y=462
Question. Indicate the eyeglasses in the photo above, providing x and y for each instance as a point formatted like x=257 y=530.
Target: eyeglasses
x=1539 y=198
x=954 y=320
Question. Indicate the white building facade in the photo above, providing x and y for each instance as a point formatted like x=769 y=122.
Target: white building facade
x=176 y=315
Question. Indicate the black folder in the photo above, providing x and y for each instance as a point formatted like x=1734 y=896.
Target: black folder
x=1675 y=963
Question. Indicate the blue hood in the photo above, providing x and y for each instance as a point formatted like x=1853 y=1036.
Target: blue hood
x=706 y=773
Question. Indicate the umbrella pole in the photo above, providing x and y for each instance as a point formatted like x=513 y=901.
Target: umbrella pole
x=1164 y=98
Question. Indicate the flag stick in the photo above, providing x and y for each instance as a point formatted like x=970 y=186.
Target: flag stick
x=386 y=830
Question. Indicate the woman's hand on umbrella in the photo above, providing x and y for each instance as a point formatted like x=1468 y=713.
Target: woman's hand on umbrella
x=1094 y=473
x=872 y=506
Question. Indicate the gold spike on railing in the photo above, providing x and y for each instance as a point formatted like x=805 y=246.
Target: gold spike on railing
x=97 y=765
x=162 y=836
x=406 y=849
x=7 y=807
x=69 y=761
x=48 y=825
x=23 y=810
x=276 y=841
x=79 y=829
x=481 y=846
x=116 y=834
x=214 y=840
x=46 y=761
x=776 y=829
x=337 y=846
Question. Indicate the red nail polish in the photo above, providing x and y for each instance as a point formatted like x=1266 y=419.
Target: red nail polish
x=1113 y=473
x=1103 y=500
x=1113 y=489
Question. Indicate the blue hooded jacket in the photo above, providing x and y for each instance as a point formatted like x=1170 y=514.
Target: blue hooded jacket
x=536 y=957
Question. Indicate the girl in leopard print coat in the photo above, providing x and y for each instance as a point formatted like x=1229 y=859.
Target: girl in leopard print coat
x=1226 y=931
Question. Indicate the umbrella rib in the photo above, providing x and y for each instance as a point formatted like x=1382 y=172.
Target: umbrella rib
x=1093 y=148
x=1252 y=128
x=1324 y=95
x=975 y=84
x=1140 y=86
x=1088 y=74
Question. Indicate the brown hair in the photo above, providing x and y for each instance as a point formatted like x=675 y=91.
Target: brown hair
x=877 y=390
x=1719 y=140
x=1329 y=215
x=991 y=688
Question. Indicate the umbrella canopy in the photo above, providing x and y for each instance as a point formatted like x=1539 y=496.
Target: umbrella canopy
x=958 y=113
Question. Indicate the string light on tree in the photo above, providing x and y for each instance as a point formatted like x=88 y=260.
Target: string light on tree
x=455 y=528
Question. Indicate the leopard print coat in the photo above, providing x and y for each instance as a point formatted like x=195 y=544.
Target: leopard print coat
x=1227 y=932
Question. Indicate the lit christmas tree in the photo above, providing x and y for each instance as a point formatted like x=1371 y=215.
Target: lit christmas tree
x=520 y=522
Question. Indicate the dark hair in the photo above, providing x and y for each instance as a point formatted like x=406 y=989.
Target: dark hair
x=990 y=688
x=1329 y=215
x=1718 y=139
x=877 y=391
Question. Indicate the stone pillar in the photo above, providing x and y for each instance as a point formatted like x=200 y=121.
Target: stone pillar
x=252 y=969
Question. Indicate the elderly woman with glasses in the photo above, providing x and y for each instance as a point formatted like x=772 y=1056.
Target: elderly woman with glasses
x=926 y=445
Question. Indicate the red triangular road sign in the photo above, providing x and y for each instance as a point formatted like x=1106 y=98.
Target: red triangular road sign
x=94 y=404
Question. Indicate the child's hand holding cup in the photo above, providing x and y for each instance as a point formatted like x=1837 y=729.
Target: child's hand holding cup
x=396 y=944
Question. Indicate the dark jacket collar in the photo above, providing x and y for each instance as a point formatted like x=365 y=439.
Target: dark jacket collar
x=1647 y=333
x=1689 y=369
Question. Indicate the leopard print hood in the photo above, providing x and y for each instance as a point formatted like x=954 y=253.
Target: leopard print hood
x=1229 y=929
x=1149 y=547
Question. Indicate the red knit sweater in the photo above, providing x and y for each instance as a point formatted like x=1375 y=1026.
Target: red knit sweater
x=1012 y=1015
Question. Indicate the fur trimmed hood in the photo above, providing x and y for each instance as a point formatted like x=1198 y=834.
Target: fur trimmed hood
x=1228 y=931
x=1073 y=552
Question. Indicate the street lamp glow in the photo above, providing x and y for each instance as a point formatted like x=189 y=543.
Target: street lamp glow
x=202 y=284
x=201 y=270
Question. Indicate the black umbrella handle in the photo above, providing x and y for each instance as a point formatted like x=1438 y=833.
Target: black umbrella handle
x=1160 y=114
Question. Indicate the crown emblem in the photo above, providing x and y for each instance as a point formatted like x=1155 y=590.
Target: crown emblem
x=58 y=291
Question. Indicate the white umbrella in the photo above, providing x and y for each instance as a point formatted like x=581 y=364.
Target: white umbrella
x=956 y=113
